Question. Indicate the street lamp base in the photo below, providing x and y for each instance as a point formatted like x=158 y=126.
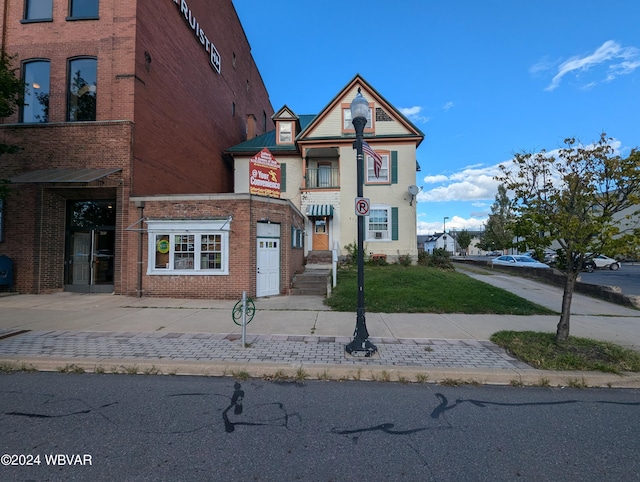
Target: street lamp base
x=361 y=348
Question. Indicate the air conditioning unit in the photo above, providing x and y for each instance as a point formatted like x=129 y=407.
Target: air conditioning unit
x=377 y=235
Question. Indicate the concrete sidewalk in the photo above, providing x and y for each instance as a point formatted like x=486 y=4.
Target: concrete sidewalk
x=294 y=336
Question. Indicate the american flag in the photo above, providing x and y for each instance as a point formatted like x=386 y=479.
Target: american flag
x=377 y=160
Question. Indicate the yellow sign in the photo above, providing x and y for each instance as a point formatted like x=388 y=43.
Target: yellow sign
x=162 y=246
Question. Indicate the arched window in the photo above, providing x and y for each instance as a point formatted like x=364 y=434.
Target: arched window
x=35 y=74
x=83 y=74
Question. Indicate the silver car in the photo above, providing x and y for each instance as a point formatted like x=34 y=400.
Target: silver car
x=518 y=260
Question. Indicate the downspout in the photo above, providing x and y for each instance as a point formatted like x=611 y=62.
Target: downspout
x=140 y=206
x=5 y=15
x=40 y=228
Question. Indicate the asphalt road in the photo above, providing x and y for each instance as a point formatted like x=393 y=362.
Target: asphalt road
x=118 y=427
x=627 y=278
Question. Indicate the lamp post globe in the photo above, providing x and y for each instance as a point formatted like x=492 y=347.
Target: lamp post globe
x=360 y=345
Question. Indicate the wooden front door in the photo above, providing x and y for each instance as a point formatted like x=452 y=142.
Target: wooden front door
x=321 y=234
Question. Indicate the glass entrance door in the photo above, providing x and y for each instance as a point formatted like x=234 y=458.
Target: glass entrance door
x=90 y=246
x=80 y=259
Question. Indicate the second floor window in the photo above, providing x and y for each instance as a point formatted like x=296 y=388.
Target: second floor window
x=36 y=91
x=83 y=9
x=383 y=174
x=286 y=133
x=38 y=9
x=82 y=90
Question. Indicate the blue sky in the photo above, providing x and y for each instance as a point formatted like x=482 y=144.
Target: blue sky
x=482 y=79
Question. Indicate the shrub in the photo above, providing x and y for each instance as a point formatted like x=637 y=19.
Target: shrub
x=424 y=258
x=441 y=259
x=404 y=260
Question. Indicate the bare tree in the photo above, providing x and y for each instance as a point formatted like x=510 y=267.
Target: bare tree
x=575 y=196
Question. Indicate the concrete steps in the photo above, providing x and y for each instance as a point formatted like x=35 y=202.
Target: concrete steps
x=315 y=280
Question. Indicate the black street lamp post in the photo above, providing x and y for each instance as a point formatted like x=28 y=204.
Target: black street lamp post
x=360 y=346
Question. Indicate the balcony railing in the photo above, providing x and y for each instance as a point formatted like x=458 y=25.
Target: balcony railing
x=323 y=177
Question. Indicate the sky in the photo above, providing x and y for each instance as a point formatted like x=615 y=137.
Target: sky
x=482 y=79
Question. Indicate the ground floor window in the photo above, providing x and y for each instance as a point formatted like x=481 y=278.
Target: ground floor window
x=382 y=223
x=188 y=247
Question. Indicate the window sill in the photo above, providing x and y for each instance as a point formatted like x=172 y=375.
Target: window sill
x=36 y=20
x=74 y=19
x=167 y=272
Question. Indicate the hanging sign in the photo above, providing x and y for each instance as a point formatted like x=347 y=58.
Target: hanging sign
x=264 y=175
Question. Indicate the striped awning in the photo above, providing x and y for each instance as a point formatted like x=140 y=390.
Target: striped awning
x=319 y=210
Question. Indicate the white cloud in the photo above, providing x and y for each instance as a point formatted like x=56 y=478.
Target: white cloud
x=456 y=223
x=472 y=183
x=447 y=106
x=608 y=53
x=413 y=114
x=435 y=179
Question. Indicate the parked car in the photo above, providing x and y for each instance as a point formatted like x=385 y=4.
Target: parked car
x=600 y=262
x=549 y=256
x=518 y=260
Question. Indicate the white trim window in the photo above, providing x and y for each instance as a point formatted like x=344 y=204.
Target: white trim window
x=347 y=122
x=378 y=223
x=384 y=170
x=285 y=134
x=188 y=247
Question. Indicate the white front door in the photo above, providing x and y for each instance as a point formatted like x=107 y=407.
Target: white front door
x=268 y=267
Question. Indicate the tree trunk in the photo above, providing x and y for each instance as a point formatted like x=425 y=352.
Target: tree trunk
x=562 y=332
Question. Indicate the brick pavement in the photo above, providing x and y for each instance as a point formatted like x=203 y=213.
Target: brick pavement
x=226 y=348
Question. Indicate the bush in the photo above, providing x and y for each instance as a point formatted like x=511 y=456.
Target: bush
x=352 y=253
x=404 y=260
x=423 y=258
x=439 y=259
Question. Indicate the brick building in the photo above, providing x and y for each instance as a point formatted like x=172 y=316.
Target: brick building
x=121 y=182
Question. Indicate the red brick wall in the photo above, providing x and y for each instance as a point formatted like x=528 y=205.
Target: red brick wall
x=111 y=39
x=35 y=214
x=184 y=109
x=242 y=247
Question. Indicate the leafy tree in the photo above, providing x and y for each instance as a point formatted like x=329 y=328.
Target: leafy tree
x=498 y=234
x=11 y=96
x=11 y=87
x=573 y=195
x=464 y=240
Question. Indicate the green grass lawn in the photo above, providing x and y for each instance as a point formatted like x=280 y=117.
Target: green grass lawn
x=540 y=350
x=418 y=289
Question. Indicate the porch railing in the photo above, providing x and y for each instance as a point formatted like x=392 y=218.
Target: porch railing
x=324 y=177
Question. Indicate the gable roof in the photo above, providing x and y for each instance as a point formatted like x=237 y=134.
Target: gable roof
x=359 y=81
x=308 y=122
x=268 y=140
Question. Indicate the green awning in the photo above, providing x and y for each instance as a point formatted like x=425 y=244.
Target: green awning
x=319 y=210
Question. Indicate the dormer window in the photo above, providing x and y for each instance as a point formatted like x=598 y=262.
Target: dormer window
x=285 y=132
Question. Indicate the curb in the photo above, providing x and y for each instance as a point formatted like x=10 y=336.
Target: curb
x=301 y=372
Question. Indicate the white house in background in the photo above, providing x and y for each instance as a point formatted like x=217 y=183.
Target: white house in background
x=318 y=173
x=440 y=241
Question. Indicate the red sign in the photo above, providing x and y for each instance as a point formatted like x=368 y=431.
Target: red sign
x=264 y=175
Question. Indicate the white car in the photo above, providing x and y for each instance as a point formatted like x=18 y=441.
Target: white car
x=601 y=261
x=518 y=260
